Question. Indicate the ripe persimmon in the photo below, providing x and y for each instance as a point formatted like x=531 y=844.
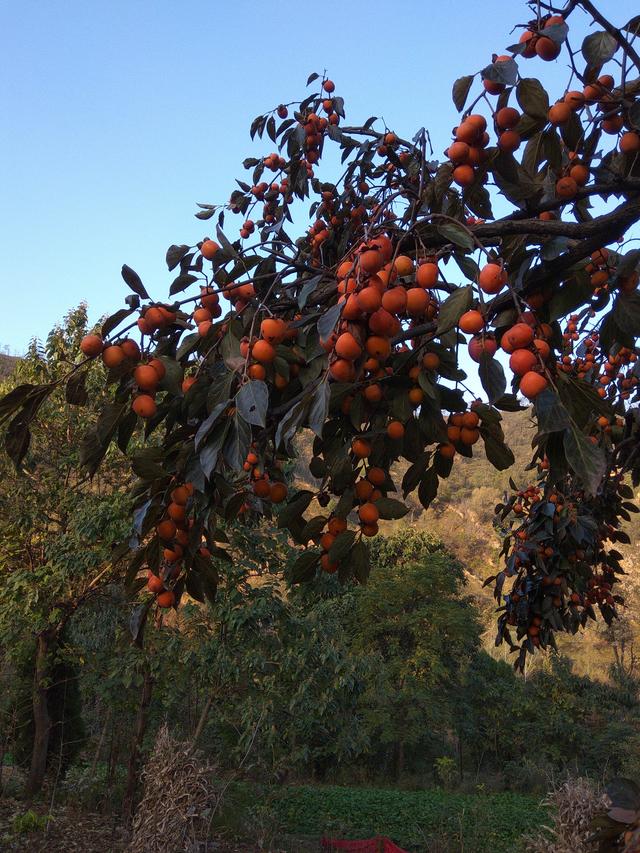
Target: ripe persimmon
x=278 y=492
x=522 y=361
x=464 y=175
x=395 y=430
x=378 y=347
x=369 y=299
x=155 y=584
x=492 y=278
x=342 y=370
x=532 y=384
x=145 y=377
x=263 y=352
x=417 y=301
x=209 y=249
x=144 y=406
x=427 y=275
x=395 y=300
x=347 y=347
x=91 y=345
x=361 y=448
x=166 y=599
x=471 y=322
x=368 y=513
x=566 y=188
x=113 y=356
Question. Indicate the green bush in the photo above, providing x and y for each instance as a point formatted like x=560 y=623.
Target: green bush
x=417 y=820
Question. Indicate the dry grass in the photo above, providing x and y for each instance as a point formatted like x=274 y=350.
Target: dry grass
x=574 y=804
x=178 y=797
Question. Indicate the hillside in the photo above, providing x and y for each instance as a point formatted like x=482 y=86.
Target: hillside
x=7 y=365
x=462 y=517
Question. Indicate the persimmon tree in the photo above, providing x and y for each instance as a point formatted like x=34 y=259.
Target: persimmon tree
x=361 y=325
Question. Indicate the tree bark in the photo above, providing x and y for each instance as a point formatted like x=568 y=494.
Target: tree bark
x=133 y=770
x=41 y=718
x=100 y=744
x=203 y=720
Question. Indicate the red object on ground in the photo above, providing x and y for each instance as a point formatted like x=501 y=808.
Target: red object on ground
x=371 y=845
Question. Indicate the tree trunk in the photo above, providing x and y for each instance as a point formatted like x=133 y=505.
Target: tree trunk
x=203 y=720
x=41 y=718
x=101 y=740
x=133 y=770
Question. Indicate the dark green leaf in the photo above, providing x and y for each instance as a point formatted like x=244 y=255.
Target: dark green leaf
x=304 y=568
x=132 y=278
x=252 y=401
x=182 y=282
x=456 y=234
x=461 y=91
x=492 y=377
x=532 y=97
x=391 y=508
x=586 y=459
x=453 y=308
x=342 y=545
x=598 y=48
x=319 y=407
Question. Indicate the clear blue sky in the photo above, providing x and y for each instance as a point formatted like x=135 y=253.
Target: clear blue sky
x=117 y=117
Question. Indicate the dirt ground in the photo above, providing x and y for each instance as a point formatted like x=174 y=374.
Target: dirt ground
x=74 y=831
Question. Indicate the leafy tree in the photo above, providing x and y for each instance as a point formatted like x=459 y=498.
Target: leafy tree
x=58 y=528
x=421 y=632
x=356 y=329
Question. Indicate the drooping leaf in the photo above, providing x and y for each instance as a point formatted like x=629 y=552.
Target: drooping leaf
x=175 y=254
x=252 y=401
x=492 y=377
x=305 y=566
x=133 y=280
x=391 y=508
x=460 y=91
x=453 y=308
x=532 y=97
x=598 y=48
x=586 y=459
x=456 y=234
x=319 y=408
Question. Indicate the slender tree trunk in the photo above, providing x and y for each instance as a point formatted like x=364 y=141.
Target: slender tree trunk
x=202 y=721
x=101 y=740
x=41 y=718
x=133 y=771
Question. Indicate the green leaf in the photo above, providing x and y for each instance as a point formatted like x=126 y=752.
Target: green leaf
x=456 y=234
x=181 y=283
x=360 y=560
x=304 y=567
x=175 y=254
x=551 y=414
x=342 y=545
x=492 y=377
x=238 y=442
x=319 y=408
x=453 y=308
x=598 y=48
x=327 y=323
x=498 y=454
x=586 y=459
x=210 y=453
x=626 y=313
x=391 y=508
x=114 y=321
x=460 y=91
x=76 y=389
x=132 y=279
x=252 y=401
x=207 y=425
x=532 y=97
x=428 y=488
